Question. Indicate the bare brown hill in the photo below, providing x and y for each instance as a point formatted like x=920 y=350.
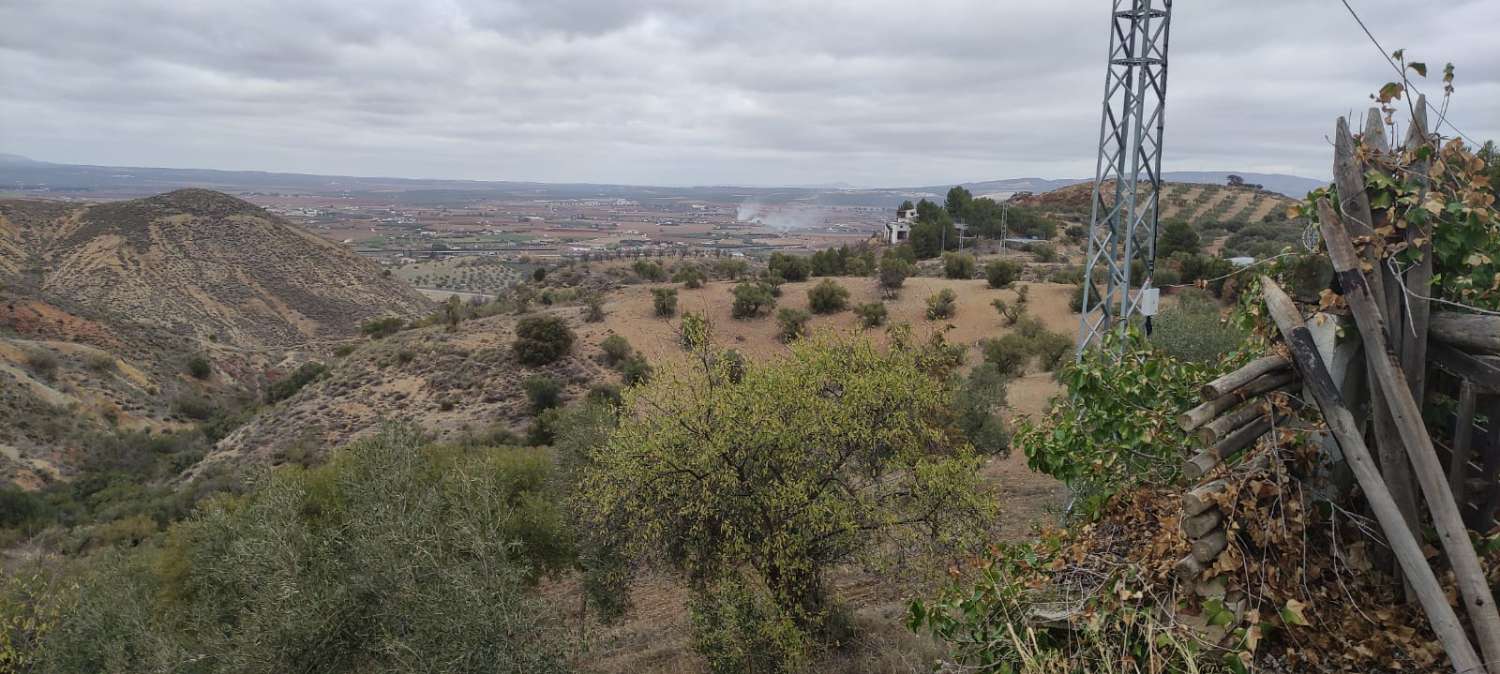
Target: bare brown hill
x=104 y=309
x=197 y=262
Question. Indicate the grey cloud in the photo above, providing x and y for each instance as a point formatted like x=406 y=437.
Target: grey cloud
x=681 y=91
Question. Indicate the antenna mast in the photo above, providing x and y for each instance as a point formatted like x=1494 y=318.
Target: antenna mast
x=1127 y=177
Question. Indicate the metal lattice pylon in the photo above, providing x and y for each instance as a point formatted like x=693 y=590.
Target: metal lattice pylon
x=1127 y=178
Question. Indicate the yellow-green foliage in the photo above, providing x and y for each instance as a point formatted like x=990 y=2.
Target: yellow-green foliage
x=779 y=469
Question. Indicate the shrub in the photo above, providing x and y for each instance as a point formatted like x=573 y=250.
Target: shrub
x=1009 y=312
x=1193 y=332
x=739 y=629
x=101 y=362
x=380 y=328
x=793 y=268
x=199 y=367
x=828 y=297
x=343 y=350
x=1177 y=236
x=593 y=308
x=751 y=300
x=604 y=394
x=401 y=560
x=1116 y=425
x=635 y=370
x=1044 y=252
x=1002 y=273
x=871 y=314
x=693 y=331
x=958 y=265
x=793 y=323
x=289 y=385
x=649 y=271
x=541 y=340
x=893 y=273
x=1076 y=233
x=1075 y=300
x=543 y=392
x=978 y=403
x=690 y=277
x=195 y=406
x=1007 y=353
x=1069 y=274
x=941 y=305
x=42 y=362
x=664 y=300
x=722 y=479
x=616 y=349
x=539 y=274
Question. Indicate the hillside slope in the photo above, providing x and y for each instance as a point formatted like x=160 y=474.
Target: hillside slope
x=105 y=308
x=201 y=263
x=1200 y=205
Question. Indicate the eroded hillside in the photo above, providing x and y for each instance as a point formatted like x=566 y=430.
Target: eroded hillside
x=150 y=314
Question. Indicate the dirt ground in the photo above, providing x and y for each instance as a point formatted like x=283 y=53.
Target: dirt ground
x=654 y=637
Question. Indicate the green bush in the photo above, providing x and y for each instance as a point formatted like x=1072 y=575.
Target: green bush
x=289 y=385
x=828 y=297
x=649 y=271
x=942 y=305
x=752 y=300
x=635 y=370
x=664 y=300
x=793 y=268
x=541 y=340
x=616 y=349
x=1002 y=273
x=199 y=367
x=543 y=392
x=380 y=328
x=693 y=330
x=690 y=277
x=1193 y=331
x=195 y=406
x=593 y=308
x=1044 y=252
x=978 y=403
x=893 y=273
x=792 y=323
x=1008 y=353
x=102 y=363
x=1177 y=236
x=739 y=629
x=399 y=559
x=871 y=314
x=958 y=265
x=1116 y=425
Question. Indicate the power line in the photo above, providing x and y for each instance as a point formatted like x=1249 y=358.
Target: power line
x=1441 y=114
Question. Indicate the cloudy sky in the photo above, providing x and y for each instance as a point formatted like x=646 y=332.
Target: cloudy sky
x=865 y=92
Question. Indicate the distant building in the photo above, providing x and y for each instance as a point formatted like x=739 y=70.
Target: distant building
x=899 y=230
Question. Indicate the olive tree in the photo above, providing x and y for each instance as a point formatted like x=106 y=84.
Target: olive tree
x=769 y=473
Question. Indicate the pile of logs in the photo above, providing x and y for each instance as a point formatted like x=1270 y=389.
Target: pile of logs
x=1236 y=412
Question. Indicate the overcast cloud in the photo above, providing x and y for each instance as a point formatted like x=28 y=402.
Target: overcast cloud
x=867 y=92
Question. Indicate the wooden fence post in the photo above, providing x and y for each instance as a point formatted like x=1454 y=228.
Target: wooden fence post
x=1351 y=442
x=1478 y=598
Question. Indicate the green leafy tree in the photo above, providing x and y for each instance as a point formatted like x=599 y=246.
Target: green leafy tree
x=792 y=323
x=828 y=297
x=793 y=268
x=1177 y=237
x=542 y=340
x=893 y=273
x=770 y=473
x=958 y=265
x=664 y=301
x=942 y=304
x=752 y=300
x=543 y=391
x=1002 y=273
x=871 y=314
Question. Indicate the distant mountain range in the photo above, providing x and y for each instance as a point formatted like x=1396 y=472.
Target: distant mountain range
x=26 y=175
